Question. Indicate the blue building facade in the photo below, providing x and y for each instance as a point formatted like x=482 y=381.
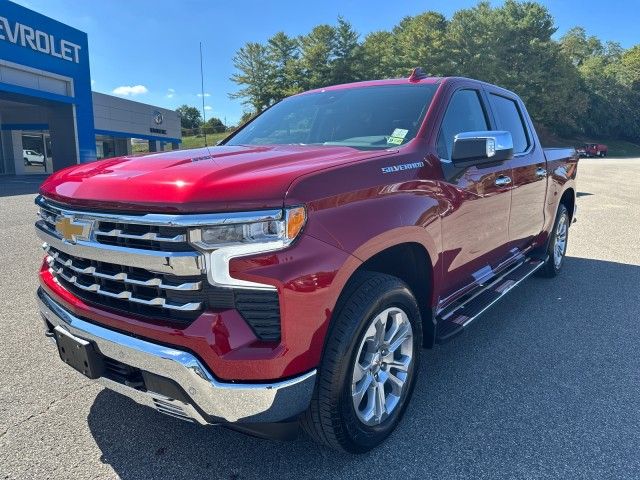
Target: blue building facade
x=46 y=104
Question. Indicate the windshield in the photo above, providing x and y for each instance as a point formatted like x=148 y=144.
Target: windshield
x=366 y=118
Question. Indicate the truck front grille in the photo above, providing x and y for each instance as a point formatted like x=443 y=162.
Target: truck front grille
x=132 y=265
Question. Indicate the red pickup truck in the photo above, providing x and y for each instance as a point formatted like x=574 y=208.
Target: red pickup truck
x=592 y=150
x=292 y=274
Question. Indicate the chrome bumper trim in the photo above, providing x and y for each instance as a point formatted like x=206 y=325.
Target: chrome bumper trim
x=173 y=263
x=229 y=402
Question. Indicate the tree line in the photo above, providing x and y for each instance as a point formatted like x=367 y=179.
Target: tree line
x=576 y=84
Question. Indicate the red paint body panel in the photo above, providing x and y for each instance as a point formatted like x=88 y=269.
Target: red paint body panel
x=466 y=225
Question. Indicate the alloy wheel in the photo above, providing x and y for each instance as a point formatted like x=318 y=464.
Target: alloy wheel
x=560 y=243
x=382 y=366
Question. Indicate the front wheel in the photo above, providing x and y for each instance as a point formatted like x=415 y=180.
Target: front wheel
x=369 y=367
x=557 y=243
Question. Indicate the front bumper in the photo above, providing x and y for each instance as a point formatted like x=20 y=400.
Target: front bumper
x=202 y=398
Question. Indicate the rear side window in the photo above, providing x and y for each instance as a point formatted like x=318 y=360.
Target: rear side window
x=509 y=118
x=464 y=114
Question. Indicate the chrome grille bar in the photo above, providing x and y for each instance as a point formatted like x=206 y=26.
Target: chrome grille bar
x=121 y=276
x=166 y=220
x=126 y=295
x=151 y=236
x=174 y=263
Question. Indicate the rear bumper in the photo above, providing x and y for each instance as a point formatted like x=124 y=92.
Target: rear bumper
x=201 y=398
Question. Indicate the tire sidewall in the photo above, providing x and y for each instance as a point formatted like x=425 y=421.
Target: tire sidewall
x=364 y=437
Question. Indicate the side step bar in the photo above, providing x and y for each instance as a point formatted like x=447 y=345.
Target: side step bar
x=453 y=320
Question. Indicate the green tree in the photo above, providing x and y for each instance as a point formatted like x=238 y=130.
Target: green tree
x=189 y=117
x=317 y=54
x=283 y=53
x=253 y=74
x=215 y=125
x=347 y=53
x=378 y=56
x=419 y=41
x=579 y=47
x=628 y=71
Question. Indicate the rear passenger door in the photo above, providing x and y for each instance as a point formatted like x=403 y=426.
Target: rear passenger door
x=528 y=166
x=474 y=229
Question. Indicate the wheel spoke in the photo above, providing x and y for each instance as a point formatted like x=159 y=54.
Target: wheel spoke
x=359 y=371
x=380 y=401
x=401 y=365
x=361 y=388
x=401 y=335
x=380 y=328
x=396 y=383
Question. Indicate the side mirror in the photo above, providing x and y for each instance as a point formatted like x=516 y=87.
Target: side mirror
x=475 y=148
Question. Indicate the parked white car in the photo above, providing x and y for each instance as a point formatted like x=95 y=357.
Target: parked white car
x=32 y=157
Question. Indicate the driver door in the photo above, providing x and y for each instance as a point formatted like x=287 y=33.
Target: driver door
x=475 y=235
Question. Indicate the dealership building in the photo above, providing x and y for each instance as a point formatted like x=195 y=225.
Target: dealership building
x=49 y=117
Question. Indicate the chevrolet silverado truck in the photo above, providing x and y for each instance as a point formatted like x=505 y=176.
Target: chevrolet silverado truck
x=292 y=274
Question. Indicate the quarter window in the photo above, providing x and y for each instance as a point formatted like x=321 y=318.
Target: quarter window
x=464 y=114
x=509 y=118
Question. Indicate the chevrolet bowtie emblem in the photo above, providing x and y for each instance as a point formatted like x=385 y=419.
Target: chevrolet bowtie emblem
x=72 y=230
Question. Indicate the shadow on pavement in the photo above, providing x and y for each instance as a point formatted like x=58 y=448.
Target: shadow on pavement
x=545 y=384
x=23 y=185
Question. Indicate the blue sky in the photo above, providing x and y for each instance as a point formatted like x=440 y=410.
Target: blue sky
x=152 y=45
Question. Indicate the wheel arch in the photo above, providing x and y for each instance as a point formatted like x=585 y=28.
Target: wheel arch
x=411 y=262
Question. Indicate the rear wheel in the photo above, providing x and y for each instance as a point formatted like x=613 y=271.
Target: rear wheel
x=26 y=161
x=557 y=243
x=369 y=367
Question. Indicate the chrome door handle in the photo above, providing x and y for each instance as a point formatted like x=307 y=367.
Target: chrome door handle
x=502 y=181
x=541 y=172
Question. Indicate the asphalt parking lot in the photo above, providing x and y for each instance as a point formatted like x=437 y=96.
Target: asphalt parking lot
x=545 y=385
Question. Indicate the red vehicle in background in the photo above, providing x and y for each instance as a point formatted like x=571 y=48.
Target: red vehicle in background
x=292 y=274
x=592 y=150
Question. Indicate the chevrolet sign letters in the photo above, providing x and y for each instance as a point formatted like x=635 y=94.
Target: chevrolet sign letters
x=20 y=34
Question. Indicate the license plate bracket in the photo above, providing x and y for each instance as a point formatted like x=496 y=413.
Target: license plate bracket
x=79 y=353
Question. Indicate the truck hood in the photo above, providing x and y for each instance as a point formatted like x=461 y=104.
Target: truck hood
x=211 y=179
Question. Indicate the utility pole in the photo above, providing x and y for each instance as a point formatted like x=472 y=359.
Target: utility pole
x=204 y=117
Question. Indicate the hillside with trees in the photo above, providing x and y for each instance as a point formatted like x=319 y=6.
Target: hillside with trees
x=575 y=84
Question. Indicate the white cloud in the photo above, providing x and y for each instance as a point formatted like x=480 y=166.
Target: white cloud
x=170 y=92
x=126 y=90
x=206 y=94
x=208 y=107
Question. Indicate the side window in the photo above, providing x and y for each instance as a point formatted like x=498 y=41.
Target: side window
x=464 y=114
x=509 y=118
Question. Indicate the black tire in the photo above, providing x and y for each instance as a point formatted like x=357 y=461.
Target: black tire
x=331 y=418
x=551 y=267
x=27 y=162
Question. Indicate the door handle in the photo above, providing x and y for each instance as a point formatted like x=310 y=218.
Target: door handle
x=502 y=181
x=541 y=172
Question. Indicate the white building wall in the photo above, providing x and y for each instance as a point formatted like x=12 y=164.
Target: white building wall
x=115 y=114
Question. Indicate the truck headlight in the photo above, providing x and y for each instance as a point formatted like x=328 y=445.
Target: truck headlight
x=223 y=242
x=273 y=234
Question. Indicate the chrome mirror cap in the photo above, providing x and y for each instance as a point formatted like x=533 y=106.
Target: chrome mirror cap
x=470 y=148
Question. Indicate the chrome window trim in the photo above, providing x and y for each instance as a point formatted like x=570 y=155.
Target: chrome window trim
x=165 y=220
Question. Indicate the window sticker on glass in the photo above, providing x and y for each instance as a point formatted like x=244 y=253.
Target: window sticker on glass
x=397 y=137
